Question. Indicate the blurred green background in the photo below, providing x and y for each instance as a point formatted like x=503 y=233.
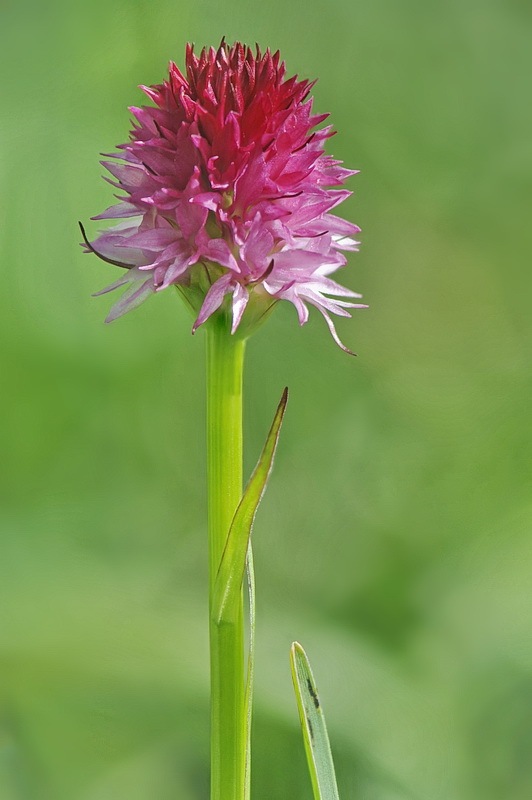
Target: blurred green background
x=394 y=541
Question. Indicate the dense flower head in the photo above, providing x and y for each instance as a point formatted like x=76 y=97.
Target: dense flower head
x=227 y=193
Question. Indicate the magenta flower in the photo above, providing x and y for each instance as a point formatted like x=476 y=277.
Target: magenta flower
x=227 y=194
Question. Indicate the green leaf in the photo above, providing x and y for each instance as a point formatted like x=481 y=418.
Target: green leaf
x=317 y=747
x=228 y=582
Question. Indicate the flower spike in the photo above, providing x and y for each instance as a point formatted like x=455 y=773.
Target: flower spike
x=226 y=173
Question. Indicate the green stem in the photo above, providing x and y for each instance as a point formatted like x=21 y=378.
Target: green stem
x=225 y=361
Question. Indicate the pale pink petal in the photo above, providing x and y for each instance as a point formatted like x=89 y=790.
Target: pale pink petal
x=123 y=281
x=240 y=301
x=155 y=239
x=132 y=298
x=213 y=299
x=218 y=250
x=334 y=334
x=119 y=211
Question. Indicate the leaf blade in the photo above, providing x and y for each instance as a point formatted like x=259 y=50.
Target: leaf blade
x=231 y=571
x=312 y=719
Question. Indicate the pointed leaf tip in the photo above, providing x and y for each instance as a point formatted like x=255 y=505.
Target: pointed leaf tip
x=316 y=740
x=231 y=570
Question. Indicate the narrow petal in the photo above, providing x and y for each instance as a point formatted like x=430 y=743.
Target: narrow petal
x=132 y=298
x=155 y=239
x=213 y=299
x=123 y=281
x=301 y=308
x=328 y=286
x=330 y=325
x=118 y=211
x=218 y=250
x=240 y=301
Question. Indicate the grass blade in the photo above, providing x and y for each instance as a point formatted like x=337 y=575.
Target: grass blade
x=317 y=747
